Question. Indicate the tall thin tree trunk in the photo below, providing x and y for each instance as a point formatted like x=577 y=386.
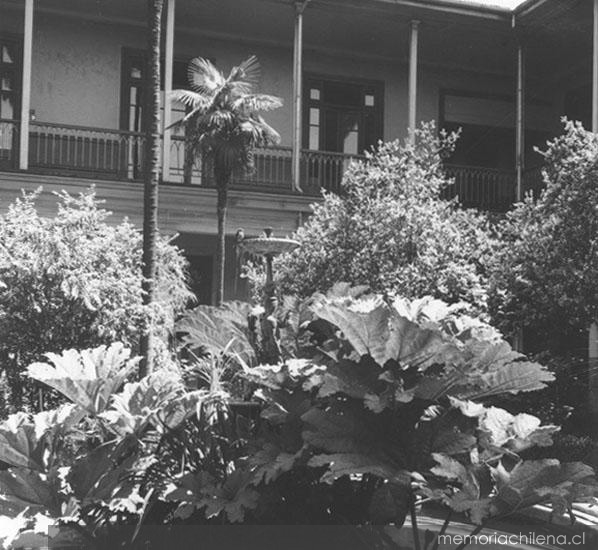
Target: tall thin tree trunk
x=151 y=175
x=222 y=187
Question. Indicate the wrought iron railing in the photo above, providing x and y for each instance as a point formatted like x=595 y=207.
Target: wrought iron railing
x=184 y=168
x=483 y=188
x=86 y=151
x=272 y=169
x=9 y=143
x=107 y=153
x=324 y=170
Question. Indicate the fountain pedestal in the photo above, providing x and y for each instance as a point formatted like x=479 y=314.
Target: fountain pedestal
x=269 y=247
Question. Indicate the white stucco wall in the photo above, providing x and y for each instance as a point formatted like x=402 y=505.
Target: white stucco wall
x=76 y=71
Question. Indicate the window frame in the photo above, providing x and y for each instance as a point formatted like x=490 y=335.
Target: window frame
x=368 y=87
x=17 y=91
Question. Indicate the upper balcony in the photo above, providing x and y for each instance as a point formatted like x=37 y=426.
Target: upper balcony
x=86 y=85
x=76 y=151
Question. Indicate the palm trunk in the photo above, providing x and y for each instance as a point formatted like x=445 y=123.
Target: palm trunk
x=151 y=176
x=222 y=187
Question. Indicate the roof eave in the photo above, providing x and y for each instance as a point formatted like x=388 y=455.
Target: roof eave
x=461 y=8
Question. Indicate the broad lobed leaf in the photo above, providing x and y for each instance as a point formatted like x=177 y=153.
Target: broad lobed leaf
x=87 y=378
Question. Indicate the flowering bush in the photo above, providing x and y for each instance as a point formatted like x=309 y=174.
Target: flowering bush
x=545 y=276
x=75 y=281
x=391 y=230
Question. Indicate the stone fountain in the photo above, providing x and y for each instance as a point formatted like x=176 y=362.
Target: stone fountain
x=267 y=246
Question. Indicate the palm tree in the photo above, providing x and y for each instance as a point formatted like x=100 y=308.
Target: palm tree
x=224 y=126
x=151 y=174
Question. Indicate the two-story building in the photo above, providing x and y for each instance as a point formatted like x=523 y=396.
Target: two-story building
x=350 y=72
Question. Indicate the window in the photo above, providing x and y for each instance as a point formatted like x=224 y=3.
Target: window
x=133 y=85
x=132 y=104
x=342 y=116
x=10 y=79
x=10 y=97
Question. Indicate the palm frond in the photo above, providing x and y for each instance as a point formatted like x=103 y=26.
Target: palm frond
x=253 y=131
x=188 y=98
x=247 y=72
x=269 y=136
x=204 y=77
x=190 y=118
x=220 y=120
x=257 y=102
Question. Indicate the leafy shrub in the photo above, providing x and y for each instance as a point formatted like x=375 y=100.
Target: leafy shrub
x=74 y=281
x=391 y=230
x=545 y=276
x=377 y=406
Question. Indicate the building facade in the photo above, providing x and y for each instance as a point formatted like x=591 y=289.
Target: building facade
x=350 y=73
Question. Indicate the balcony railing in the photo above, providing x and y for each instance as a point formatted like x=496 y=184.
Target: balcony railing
x=95 y=152
x=324 y=170
x=483 y=188
x=115 y=154
x=272 y=169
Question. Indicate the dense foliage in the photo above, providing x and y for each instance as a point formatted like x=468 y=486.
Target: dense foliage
x=74 y=280
x=390 y=229
x=375 y=407
x=545 y=276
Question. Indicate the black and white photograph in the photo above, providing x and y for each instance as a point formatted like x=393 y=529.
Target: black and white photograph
x=298 y=274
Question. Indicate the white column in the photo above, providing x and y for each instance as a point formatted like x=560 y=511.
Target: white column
x=520 y=124
x=413 y=45
x=297 y=93
x=168 y=70
x=26 y=86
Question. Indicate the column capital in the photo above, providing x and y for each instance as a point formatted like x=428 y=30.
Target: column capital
x=300 y=5
x=414 y=23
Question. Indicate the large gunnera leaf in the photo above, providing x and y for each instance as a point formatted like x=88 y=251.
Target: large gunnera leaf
x=26 y=440
x=350 y=464
x=231 y=498
x=20 y=443
x=87 y=378
x=373 y=328
x=97 y=475
x=482 y=369
x=535 y=481
x=21 y=488
x=157 y=398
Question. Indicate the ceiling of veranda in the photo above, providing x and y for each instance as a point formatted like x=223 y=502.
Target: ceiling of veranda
x=556 y=34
